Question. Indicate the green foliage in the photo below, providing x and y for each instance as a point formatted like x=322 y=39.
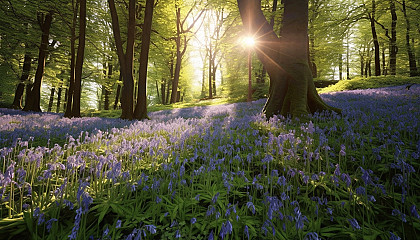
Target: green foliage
x=372 y=82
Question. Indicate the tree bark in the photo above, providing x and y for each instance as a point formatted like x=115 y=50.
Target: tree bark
x=126 y=60
x=60 y=90
x=51 y=101
x=17 y=101
x=411 y=55
x=70 y=90
x=79 y=60
x=285 y=59
x=107 y=92
x=117 y=95
x=179 y=55
x=393 y=40
x=34 y=96
x=210 y=75
x=140 y=111
x=372 y=18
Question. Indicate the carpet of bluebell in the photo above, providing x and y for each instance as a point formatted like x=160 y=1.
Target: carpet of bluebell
x=218 y=172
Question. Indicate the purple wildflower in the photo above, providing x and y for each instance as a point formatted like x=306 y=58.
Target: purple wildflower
x=394 y=236
x=354 y=224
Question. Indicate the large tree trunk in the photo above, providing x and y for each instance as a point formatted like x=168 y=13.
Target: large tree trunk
x=126 y=60
x=411 y=55
x=70 y=90
x=17 y=102
x=393 y=40
x=79 y=60
x=179 y=55
x=286 y=59
x=375 y=39
x=140 y=111
x=34 y=96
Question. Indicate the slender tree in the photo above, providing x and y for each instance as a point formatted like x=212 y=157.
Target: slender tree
x=17 y=102
x=372 y=19
x=410 y=51
x=69 y=92
x=182 y=28
x=286 y=59
x=393 y=41
x=79 y=60
x=34 y=93
x=126 y=59
x=140 y=111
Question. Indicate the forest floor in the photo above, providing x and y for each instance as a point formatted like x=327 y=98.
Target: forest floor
x=217 y=172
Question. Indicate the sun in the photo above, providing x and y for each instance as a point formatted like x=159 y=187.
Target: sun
x=249 y=41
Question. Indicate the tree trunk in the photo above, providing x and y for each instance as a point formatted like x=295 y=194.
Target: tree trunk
x=179 y=55
x=168 y=89
x=286 y=59
x=140 y=111
x=34 y=96
x=107 y=92
x=163 y=91
x=66 y=92
x=214 y=77
x=70 y=90
x=210 y=75
x=51 y=101
x=60 y=90
x=384 y=70
x=393 y=40
x=348 y=58
x=375 y=39
x=117 y=95
x=126 y=60
x=79 y=60
x=411 y=55
x=340 y=67
x=17 y=102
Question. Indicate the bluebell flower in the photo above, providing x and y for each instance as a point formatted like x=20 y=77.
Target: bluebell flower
x=49 y=223
x=193 y=220
x=177 y=234
x=354 y=224
x=226 y=229
x=414 y=212
x=346 y=178
x=312 y=236
x=251 y=206
x=118 y=224
x=343 y=150
x=394 y=236
x=214 y=199
x=174 y=223
x=300 y=219
x=151 y=228
x=361 y=191
x=211 y=235
x=106 y=232
x=246 y=232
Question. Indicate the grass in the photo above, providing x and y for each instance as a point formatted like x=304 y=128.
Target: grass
x=371 y=82
x=353 y=84
x=217 y=172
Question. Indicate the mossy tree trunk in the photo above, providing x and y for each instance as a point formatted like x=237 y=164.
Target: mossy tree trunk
x=292 y=90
